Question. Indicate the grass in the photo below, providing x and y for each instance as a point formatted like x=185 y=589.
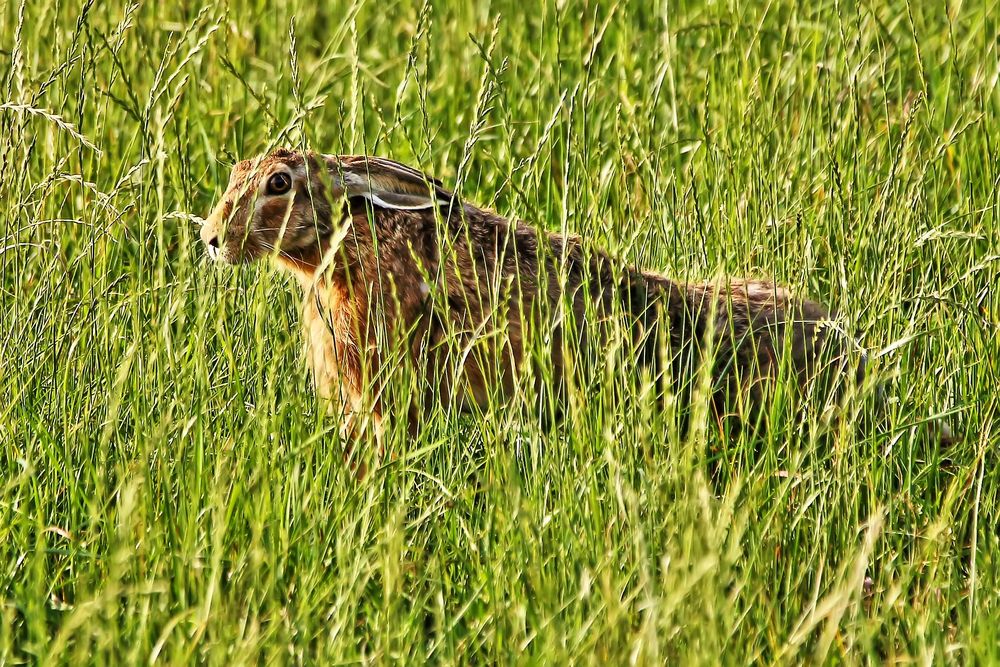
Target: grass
x=170 y=493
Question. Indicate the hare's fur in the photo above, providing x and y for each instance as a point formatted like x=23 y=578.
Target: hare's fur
x=391 y=263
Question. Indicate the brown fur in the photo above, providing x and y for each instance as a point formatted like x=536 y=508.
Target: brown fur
x=453 y=286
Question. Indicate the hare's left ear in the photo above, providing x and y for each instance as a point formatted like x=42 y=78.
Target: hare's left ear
x=385 y=183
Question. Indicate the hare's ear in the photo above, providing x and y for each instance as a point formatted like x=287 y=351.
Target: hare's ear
x=385 y=183
x=396 y=200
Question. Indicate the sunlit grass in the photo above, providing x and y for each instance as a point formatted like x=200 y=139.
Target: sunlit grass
x=170 y=491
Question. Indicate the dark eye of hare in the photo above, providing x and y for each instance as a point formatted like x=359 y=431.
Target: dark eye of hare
x=279 y=183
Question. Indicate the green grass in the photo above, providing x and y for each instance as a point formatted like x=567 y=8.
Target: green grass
x=169 y=492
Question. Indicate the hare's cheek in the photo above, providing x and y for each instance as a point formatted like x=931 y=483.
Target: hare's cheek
x=270 y=217
x=291 y=230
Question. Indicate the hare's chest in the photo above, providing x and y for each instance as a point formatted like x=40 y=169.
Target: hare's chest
x=329 y=339
x=319 y=353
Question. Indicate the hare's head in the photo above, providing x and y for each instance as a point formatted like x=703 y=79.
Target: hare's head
x=275 y=204
x=281 y=204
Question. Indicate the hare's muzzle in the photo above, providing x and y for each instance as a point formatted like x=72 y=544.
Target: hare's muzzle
x=210 y=236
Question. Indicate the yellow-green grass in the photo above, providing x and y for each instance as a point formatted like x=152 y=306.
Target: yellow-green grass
x=171 y=493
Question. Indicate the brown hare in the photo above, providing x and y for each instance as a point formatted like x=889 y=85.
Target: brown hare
x=388 y=259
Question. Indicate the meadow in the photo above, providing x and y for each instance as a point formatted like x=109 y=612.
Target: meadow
x=171 y=493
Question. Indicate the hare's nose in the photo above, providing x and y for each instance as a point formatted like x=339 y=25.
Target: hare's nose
x=213 y=247
x=211 y=238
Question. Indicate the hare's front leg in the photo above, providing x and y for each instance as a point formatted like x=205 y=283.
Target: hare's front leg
x=334 y=356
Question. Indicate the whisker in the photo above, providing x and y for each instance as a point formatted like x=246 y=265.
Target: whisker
x=271 y=248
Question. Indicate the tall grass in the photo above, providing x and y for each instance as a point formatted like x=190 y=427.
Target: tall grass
x=171 y=493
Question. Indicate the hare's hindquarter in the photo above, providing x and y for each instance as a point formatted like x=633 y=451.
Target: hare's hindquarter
x=757 y=329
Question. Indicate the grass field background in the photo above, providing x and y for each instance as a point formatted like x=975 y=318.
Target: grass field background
x=170 y=493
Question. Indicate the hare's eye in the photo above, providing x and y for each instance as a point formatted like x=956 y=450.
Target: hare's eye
x=279 y=183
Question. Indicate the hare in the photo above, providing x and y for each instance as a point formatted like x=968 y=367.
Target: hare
x=389 y=259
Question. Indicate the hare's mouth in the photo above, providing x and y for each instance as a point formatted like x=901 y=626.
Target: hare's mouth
x=246 y=251
x=232 y=251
